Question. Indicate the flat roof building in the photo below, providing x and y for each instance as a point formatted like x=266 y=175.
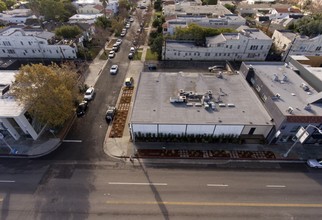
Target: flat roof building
x=288 y=98
x=186 y=103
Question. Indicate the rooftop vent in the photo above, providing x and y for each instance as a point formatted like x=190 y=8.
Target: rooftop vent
x=231 y=105
x=305 y=87
x=277 y=95
x=4 y=88
x=222 y=105
x=290 y=110
x=275 y=77
x=284 y=78
x=308 y=107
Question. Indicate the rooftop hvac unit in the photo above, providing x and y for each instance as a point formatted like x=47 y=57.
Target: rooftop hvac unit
x=290 y=110
x=198 y=104
x=305 y=87
x=308 y=107
x=231 y=105
x=222 y=105
x=277 y=95
x=284 y=77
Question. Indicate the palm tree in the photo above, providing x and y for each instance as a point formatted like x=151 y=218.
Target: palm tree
x=104 y=3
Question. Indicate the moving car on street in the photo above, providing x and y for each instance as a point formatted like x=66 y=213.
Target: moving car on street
x=114 y=69
x=315 y=163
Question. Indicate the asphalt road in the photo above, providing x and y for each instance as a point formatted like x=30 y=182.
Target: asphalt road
x=87 y=133
x=107 y=190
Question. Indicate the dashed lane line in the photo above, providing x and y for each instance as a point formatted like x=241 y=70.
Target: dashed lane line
x=140 y=184
x=227 y=204
x=219 y=185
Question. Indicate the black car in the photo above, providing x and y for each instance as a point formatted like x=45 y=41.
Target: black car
x=131 y=55
x=81 y=108
x=109 y=115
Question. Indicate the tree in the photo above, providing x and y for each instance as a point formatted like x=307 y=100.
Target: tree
x=10 y=3
x=103 y=22
x=3 y=6
x=48 y=92
x=230 y=7
x=68 y=31
x=309 y=25
x=156 y=46
x=60 y=10
x=104 y=4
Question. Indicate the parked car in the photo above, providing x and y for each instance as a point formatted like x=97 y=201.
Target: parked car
x=315 y=163
x=129 y=82
x=110 y=113
x=115 y=48
x=128 y=25
x=89 y=94
x=131 y=55
x=131 y=20
x=114 y=69
x=132 y=50
x=81 y=108
x=123 y=33
x=118 y=42
x=111 y=54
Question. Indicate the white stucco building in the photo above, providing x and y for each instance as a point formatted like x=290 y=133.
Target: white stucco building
x=289 y=43
x=193 y=9
x=14 y=118
x=225 y=21
x=248 y=44
x=16 y=16
x=19 y=42
x=260 y=1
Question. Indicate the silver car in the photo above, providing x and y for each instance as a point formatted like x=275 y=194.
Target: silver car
x=315 y=163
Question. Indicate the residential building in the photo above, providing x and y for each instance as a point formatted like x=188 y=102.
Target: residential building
x=248 y=44
x=309 y=68
x=288 y=43
x=193 y=9
x=91 y=5
x=225 y=21
x=281 y=13
x=14 y=118
x=84 y=18
x=260 y=1
x=291 y=101
x=197 y=103
x=23 y=43
x=16 y=16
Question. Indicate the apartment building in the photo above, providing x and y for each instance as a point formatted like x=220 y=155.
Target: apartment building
x=23 y=43
x=247 y=44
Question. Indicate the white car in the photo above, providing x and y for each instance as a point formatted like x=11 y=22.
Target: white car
x=132 y=50
x=118 y=42
x=114 y=69
x=128 y=25
x=131 y=19
x=315 y=163
x=111 y=54
x=89 y=94
x=123 y=34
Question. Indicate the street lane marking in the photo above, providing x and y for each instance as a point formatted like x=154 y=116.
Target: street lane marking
x=237 y=204
x=275 y=186
x=142 y=184
x=7 y=181
x=220 y=185
x=72 y=141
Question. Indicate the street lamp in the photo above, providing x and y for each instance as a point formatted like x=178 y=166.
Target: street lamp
x=299 y=137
